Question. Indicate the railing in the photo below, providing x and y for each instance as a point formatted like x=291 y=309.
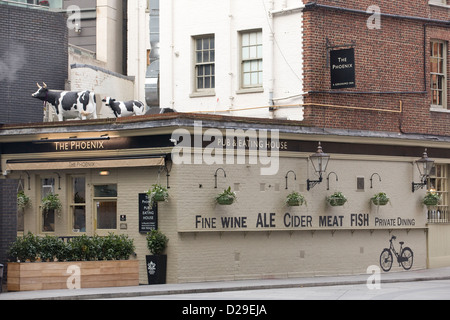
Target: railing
x=438 y=215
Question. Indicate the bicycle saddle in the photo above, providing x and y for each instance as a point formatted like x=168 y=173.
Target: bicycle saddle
x=401 y=242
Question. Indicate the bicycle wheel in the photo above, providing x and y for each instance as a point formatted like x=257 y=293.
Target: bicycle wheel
x=386 y=260
x=407 y=258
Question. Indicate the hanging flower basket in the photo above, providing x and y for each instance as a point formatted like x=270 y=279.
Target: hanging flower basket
x=431 y=199
x=23 y=201
x=52 y=202
x=227 y=197
x=337 y=199
x=380 y=199
x=157 y=193
x=295 y=199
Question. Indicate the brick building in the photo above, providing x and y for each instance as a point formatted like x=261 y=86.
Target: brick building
x=400 y=65
x=239 y=62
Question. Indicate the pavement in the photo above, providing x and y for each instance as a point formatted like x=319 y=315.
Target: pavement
x=220 y=286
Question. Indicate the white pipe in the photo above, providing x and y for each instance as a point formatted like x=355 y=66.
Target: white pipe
x=230 y=73
x=270 y=56
x=172 y=56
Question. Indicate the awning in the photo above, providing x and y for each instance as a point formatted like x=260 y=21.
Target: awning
x=22 y=165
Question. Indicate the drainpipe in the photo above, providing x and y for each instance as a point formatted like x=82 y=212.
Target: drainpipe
x=270 y=56
x=230 y=73
x=172 y=57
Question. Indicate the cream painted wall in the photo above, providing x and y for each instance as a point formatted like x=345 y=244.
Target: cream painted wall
x=282 y=56
x=204 y=254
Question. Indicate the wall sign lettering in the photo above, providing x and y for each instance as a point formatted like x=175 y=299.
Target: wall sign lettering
x=148 y=216
x=342 y=67
x=289 y=221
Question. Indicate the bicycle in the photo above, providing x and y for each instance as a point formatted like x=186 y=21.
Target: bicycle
x=405 y=258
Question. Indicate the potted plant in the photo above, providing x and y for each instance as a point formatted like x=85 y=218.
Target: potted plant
x=431 y=199
x=227 y=197
x=157 y=262
x=157 y=193
x=380 y=199
x=23 y=201
x=51 y=202
x=336 y=199
x=295 y=199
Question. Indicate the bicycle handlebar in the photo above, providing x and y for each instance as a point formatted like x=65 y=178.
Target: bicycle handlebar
x=393 y=238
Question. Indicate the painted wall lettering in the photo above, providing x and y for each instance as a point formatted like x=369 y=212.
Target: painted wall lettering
x=290 y=221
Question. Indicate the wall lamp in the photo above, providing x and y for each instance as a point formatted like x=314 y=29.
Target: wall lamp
x=424 y=165
x=319 y=161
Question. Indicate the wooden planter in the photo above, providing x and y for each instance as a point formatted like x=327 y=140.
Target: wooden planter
x=28 y=276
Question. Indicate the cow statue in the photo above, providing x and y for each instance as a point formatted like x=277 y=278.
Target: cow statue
x=69 y=104
x=125 y=109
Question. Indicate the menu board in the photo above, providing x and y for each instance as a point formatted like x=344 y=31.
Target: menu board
x=148 y=216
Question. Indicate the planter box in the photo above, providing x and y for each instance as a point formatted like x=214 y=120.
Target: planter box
x=29 y=276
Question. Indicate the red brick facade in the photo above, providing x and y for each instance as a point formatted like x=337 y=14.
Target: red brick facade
x=392 y=90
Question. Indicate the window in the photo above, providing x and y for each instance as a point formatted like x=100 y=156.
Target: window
x=105 y=199
x=21 y=207
x=438 y=57
x=204 y=63
x=251 y=59
x=437 y=2
x=78 y=204
x=48 y=216
x=438 y=182
x=54 y=4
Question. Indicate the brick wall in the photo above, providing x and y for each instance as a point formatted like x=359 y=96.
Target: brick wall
x=33 y=49
x=389 y=67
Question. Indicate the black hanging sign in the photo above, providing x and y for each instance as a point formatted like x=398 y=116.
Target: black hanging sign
x=342 y=65
x=148 y=216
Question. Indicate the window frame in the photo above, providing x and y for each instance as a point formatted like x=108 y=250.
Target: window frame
x=440 y=3
x=73 y=204
x=42 y=194
x=97 y=199
x=443 y=74
x=438 y=182
x=202 y=91
x=259 y=59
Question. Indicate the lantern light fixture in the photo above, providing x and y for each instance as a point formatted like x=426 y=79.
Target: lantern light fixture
x=424 y=165
x=319 y=161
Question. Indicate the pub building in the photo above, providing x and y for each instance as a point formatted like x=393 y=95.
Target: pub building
x=102 y=169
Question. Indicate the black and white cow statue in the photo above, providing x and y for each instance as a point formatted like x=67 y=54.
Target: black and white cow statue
x=69 y=104
x=125 y=108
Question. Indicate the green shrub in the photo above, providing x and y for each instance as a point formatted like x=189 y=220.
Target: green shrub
x=52 y=248
x=83 y=248
x=25 y=248
x=156 y=241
